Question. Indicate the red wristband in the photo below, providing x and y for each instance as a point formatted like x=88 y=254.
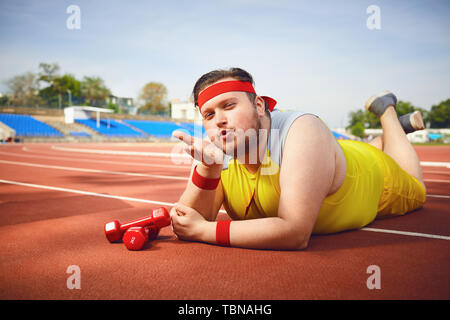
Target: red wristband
x=223 y=233
x=204 y=183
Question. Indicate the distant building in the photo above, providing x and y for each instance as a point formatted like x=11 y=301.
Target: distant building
x=124 y=103
x=184 y=110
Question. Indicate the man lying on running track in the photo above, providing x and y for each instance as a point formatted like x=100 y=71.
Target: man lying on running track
x=282 y=176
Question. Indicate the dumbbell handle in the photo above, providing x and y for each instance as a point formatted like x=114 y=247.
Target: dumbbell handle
x=159 y=217
x=141 y=222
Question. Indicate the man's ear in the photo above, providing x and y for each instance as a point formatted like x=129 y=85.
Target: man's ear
x=260 y=106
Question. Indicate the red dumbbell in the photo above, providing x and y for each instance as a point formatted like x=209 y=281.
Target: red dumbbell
x=160 y=218
x=136 y=237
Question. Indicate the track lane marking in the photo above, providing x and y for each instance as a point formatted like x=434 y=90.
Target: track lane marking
x=406 y=233
x=127 y=153
x=92 y=160
x=169 y=204
x=134 y=174
x=438 y=196
x=32 y=185
x=434 y=164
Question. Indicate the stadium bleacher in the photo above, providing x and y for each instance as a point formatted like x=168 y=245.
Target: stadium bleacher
x=111 y=128
x=160 y=129
x=164 y=129
x=27 y=126
x=196 y=130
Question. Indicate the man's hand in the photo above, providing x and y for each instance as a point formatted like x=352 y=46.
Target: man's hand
x=200 y=149
x=187 y=223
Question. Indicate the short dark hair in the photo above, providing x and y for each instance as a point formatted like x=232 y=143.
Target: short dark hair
x=216 y=75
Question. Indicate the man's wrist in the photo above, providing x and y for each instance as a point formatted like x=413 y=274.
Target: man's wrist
x=208 y=232
x=211 y=172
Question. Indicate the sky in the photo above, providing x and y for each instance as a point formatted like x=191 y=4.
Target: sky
x=315 y=56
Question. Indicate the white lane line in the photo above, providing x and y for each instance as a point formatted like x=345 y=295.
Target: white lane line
x=134 y=174
x=128 y=153
x=405 y=233
x=92 y=160
x=31 y=185
x=413 y=234
x=438 y=196
x=434 y=164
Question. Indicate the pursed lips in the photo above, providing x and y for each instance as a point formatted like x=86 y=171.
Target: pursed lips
x=225 y=134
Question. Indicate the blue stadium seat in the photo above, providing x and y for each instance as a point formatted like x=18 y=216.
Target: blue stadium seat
x=164 y=129
x=111 y=128
x=27 y=126
x=194 y=129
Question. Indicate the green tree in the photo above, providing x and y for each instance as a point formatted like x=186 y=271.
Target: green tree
x=403 y=107
x=439 y=115
x=367 y=119
x=94 y=91
x=4 y=100
x=49 y=73
x=355 y=117
x=371 y=120
x=57 y=94
x=24 y=90
x=357 y=130
x=153 y=97
x=114 y=107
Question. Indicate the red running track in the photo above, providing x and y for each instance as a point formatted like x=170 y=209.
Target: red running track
x=54 y=201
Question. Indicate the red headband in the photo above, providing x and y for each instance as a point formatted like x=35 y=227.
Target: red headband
x=227 y=86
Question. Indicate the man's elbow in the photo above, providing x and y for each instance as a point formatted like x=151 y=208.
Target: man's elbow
x=295 y=238
x=303 y=245
x=298 y=243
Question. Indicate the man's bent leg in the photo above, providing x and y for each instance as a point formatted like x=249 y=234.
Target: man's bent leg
x=377 y=142
x=397 y=145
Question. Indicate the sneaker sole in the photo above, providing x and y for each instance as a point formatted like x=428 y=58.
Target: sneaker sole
x=417 y=121
x=372 y=98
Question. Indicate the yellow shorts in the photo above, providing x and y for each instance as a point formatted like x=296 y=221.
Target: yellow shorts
x=402 y=192
x=375 y=186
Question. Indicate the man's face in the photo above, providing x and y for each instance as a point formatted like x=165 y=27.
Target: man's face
x=232 y=121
